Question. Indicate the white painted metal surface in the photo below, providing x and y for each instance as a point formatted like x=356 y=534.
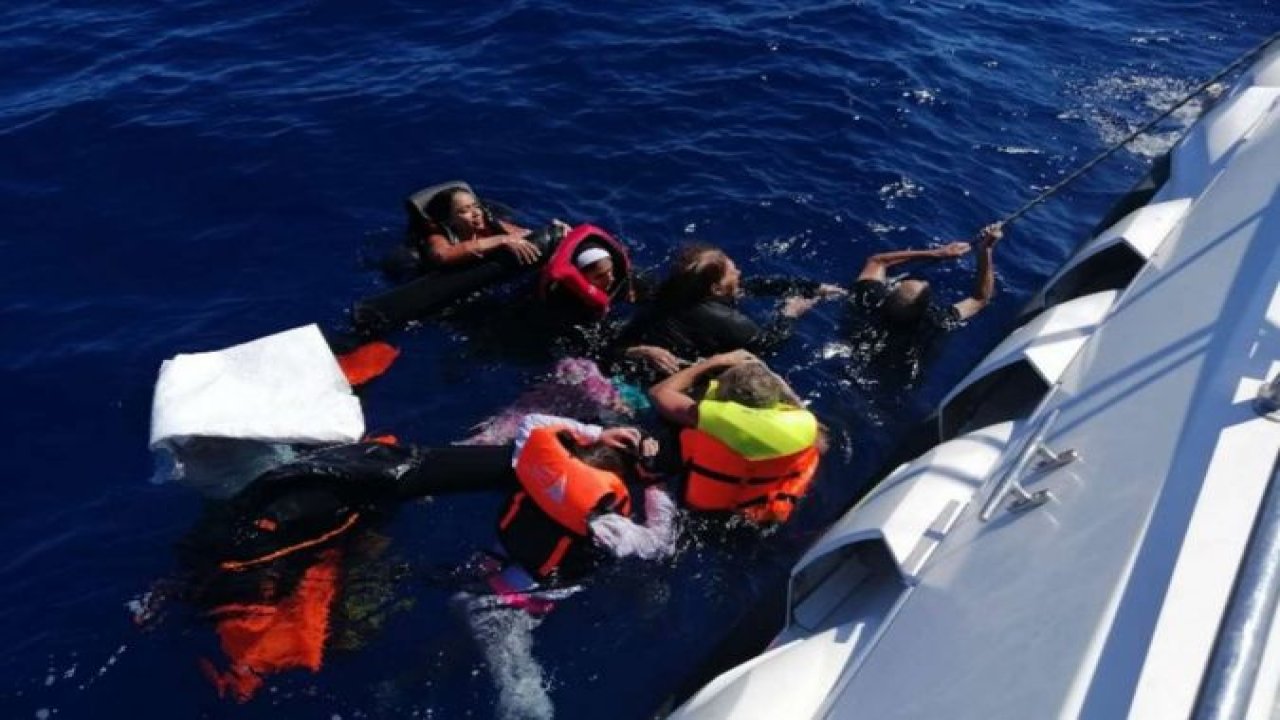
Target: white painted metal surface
x=1048 y=343
x=1104 y=602
x=1263 y=73
x=835 y=620
x=1210 y=144
x=1142 y=230
x=904 y=509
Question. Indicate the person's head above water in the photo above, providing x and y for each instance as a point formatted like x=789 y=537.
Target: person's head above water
x=754 y=385
x=459 y=209
x=596 y=265
x=907 y=301
x=700 y=272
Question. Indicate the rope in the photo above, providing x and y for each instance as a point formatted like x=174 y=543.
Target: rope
x=1133 y=135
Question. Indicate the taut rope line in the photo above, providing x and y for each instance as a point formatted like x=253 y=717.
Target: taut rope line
x=1130 y=138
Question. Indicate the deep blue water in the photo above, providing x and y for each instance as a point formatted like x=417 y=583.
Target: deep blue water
x=183 y=177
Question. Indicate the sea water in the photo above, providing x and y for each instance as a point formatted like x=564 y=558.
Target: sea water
x=182 y=177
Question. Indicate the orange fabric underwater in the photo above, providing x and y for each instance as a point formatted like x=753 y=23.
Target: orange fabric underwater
x=261 y=639
x=367 y=362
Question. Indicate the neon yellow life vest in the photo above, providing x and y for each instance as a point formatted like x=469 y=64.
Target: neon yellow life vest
x=757 y=433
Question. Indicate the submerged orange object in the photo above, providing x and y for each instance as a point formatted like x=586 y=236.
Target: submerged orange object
x=367 y=361
x=261 y=639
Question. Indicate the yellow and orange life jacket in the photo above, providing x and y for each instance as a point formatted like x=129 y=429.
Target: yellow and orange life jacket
x=757 y=462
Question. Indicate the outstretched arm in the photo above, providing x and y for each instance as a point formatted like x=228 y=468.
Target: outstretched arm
x=984 y=284
x=671 y=397
x=512 y=238
x=878 y=264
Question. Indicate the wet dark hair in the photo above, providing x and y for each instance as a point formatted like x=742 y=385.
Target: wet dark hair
x=698 y=267
x=440 y=206
x=597 y=455
x=903 y=312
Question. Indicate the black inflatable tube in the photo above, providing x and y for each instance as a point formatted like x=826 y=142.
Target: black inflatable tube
x=325 y=492
x=422 y=297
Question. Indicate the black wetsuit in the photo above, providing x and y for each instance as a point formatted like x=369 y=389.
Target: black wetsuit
x=714 y=325
x=328 y=490
x=894 y=352
x=441 y=285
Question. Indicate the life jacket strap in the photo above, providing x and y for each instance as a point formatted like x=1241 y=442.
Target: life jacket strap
x=238 y=565
x=766 y=499
x=691 y=466
x=511 y=512
x=557 y=555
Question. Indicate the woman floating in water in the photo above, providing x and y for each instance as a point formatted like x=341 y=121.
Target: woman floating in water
x=695 y=313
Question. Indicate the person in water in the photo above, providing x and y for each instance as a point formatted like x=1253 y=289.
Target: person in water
x=748 y=447
x=573 y=472
x=291 y=568
x=572 y=509
x=908 y=302
x=695 y=314
x=267 y=564
x=899 y=321
x=464 y=230
x=596 y=265
x=586 y=277
x=587 y=272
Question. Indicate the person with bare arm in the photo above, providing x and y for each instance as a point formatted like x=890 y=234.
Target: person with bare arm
x=748 y=446
x=908 y=302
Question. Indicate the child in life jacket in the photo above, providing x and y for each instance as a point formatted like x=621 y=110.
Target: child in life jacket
x=571 y=510
x=573 y=507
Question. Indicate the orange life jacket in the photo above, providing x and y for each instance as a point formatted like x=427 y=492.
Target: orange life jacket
x=763 y=491
x=276 y=634
x=546 y=520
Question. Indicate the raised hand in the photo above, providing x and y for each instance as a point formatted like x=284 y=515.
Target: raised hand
x=661 y=358
x=828 y=291
x=733 y=359
x=990 y=235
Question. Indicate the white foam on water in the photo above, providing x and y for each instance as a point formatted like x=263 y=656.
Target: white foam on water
x=836 y=350
x=902 y=188
x=1117 y=105
x=778 y=247
x=922 y=96
x=505 y=637
x=1016 y=150
x=883 y=229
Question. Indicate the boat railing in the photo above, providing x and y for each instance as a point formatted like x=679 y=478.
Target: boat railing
x=1227 y=689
